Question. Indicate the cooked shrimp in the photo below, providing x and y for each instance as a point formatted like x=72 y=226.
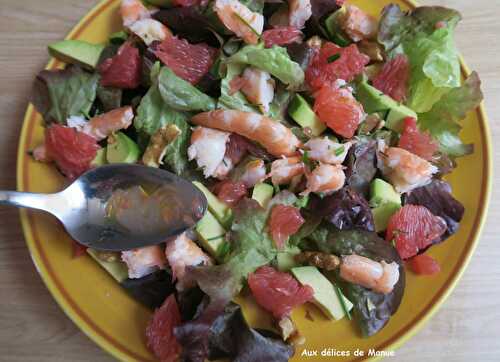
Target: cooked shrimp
x=39 y=153
x=405 y=170
x=258 y=87
x=299 y=11
x=271 y=134
x=143 y=261
x=358 y=25
x=284 y=170
x=325 y=150
x=182 y=252
x=381 y=277
x=150 y=30
x=133 y=10
x=240 y=20
x=208 y=147
x=103 y=125
x=325 y=179
x=255 y=172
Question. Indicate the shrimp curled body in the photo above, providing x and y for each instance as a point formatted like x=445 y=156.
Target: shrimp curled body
x=381 y=277
x=272 y=135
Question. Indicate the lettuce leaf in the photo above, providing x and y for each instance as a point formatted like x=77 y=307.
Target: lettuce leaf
x=152 y=289
x=275 y=61
x=152 y=114
x=193 y=23
x=59 y=94
x=442 y=121
x=251 y=247
x=362 y=165
x=182 y=95
x=256 y=6
x=247 y=344
x=344 y=209
x=434 y=61
x=228 y=335
x=237 y=100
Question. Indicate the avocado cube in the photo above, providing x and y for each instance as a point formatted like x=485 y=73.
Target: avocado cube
x=302 y=113
x=121 y=149
x=262 y=193
x=117 y=269
x=77 y=52
x=325 y=295
x=211 y=234
x=100 y=158
x=374 y=101
x=220 y=210
x=385 y=202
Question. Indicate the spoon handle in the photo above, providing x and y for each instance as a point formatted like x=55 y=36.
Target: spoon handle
x=25 y=199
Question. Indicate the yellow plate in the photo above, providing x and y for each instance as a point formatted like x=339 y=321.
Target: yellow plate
x=102 y=310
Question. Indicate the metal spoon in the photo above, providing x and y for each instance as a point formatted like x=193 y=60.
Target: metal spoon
x=81 y=207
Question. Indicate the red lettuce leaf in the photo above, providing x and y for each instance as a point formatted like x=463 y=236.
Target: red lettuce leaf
x=345 y=209
x=226 y=334
x=362 y=165
x=151 y=290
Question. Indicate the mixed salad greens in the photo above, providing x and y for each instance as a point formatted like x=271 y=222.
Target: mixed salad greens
x=319 y=135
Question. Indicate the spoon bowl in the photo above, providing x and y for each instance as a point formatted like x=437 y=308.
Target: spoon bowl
x=83 y=207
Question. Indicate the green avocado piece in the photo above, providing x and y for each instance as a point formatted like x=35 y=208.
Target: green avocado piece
x=286 y=259
x=262 y=193
x=374 y=101
x=382 y=215
x=121 y=149
x=100 y=158
x=385 y=202
x=211 y=234
x=302 y=113
x=117 y=269
x=220 y=210
x=333 y=28
x=325 y=295
x=77 y=52
x=382 y=192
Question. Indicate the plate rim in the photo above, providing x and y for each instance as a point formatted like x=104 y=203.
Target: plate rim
x=118 y=350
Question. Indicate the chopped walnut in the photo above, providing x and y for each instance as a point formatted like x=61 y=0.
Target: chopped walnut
x=158 y=143
x=318 y=259
x=289 y=332
x=372 y=49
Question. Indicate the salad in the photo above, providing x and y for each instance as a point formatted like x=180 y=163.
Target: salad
x=319 y=135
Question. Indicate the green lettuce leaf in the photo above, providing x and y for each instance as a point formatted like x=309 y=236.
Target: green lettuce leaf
x=237 y=100
x=182 y=95
x=251 y=247
x=275 y=61
x=62 y=93
x=256 y=6
x=434 y=60
x=109 y=97
x=152 y=114
x=442 y=121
